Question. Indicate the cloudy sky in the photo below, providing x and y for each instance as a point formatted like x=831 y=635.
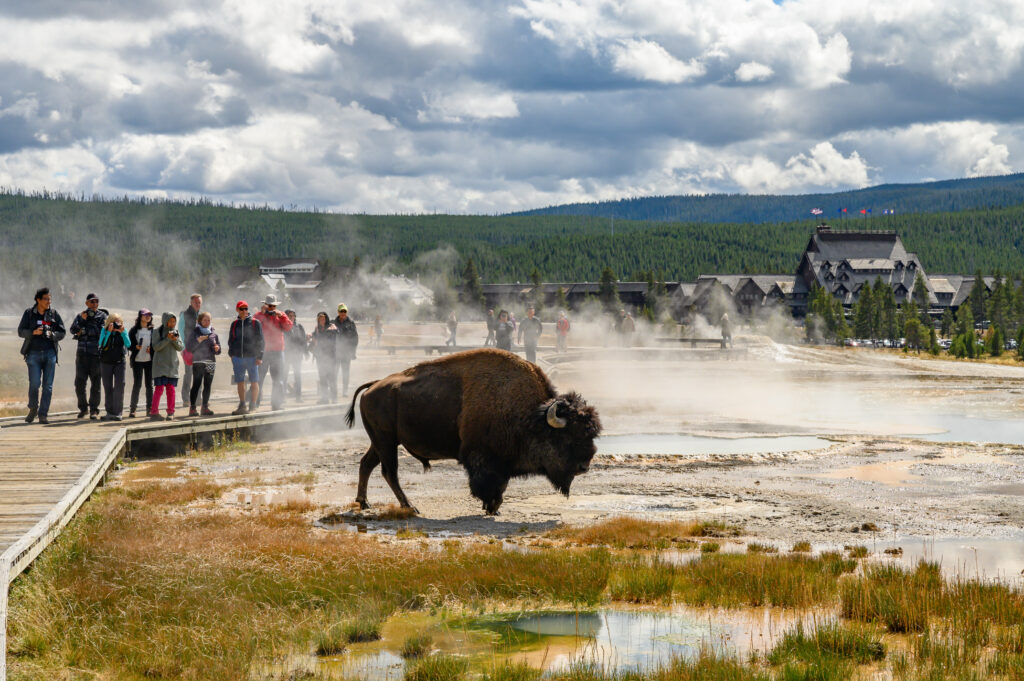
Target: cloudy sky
x=481 y=106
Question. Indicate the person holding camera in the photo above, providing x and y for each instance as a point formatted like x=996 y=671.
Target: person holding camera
x=141 y=359
x=86 y=328
x=166 y=346
x=42 y=329
x=114 y=343
x=204 y=344
x=275 y=325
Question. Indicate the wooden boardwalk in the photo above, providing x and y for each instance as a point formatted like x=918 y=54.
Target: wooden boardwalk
x=47 y=472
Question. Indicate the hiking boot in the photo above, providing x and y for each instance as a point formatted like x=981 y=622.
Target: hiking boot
x=131 y=414
x=83 y=412
x=43 y=420
x=207 y=412
x=169 y=417
x=30 y=416
x=240 y=410
x=94 y=415
x=156 y=417
x=192 y=411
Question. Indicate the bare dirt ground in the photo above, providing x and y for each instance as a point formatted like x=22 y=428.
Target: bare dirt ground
x=878 y=470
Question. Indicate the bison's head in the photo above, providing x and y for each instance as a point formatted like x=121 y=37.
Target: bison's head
x=568 y=426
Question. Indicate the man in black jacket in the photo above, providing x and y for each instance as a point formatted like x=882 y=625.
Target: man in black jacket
x=348 y=340
x=42 y=329
x=86 y=329
x=186 y=324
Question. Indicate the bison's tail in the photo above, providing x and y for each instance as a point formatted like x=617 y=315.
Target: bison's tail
x=350 y=417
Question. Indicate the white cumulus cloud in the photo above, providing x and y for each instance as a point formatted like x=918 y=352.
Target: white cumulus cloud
x=647 y=60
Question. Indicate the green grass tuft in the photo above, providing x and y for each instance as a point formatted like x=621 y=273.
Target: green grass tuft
x=438 y=668
x=417 y=646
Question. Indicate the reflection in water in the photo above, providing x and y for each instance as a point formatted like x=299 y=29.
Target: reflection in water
x=961 y=428
x=613 y=639
x=987 y=559
x=678 y=444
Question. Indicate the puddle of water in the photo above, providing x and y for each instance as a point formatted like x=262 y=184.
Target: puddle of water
x=892 y=473
x=962 y=428
x=553 y=641
x=970 y=558
x=680 y=444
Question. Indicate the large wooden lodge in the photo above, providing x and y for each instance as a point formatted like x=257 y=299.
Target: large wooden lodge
x=840 y=261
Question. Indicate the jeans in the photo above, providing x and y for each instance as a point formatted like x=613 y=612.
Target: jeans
x=186 y=384
x=202 y=376
x=41 y=366
x=87 y=369
x=531 y=351
x=113 y=388
x=142 y=372
x=344 y=364
x=293 y=365
x=273 y=363
x=327 y=387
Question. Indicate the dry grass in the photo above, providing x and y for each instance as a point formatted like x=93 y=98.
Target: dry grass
x=394 y=512
x=636 y=533
x=136 y=589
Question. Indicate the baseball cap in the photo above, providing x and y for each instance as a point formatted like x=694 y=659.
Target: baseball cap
x=342 y=307
x=143 y=312
x=91 y=296
x=240 y=304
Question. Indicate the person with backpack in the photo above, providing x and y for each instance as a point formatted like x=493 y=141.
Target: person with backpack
x=114 y=344
x=86 y=328
x=204 y=344
x=140 y=359
x=41 y=329
x=166 y=346
x=245 y=347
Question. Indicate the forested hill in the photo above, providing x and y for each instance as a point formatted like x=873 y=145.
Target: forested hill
x=188 y=243
x=931 y=197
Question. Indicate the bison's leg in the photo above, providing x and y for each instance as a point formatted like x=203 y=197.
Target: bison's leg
x=366 y=466
x=389 y=469
x=488 y=486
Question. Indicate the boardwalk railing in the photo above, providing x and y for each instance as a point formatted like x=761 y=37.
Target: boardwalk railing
x=183 y=432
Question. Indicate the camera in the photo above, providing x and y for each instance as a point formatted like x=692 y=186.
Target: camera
x=90 y=313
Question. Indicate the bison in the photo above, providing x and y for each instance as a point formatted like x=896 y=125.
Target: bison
x=496 y=414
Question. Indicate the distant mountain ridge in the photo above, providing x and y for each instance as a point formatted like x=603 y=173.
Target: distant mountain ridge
x=997 y=191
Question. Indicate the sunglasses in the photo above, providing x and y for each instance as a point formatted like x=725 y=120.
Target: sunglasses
x=243 y=308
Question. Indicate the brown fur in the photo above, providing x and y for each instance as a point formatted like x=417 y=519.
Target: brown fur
x=484 y=408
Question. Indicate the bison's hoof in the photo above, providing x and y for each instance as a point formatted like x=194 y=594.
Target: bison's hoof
x=362 y=504
x=492 y=508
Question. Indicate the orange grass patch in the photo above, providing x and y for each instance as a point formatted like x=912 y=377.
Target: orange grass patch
x=637 y=533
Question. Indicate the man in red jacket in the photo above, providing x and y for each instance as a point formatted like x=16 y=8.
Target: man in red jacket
x=275 y=325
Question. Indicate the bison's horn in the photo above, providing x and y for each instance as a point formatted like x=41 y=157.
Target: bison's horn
x=554 y=420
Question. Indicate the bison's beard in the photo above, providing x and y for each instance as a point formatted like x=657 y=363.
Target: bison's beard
x=562 y=483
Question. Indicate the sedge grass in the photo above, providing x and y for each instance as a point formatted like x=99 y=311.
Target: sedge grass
x=416 y=646
x=441 y=667
x=626 y=532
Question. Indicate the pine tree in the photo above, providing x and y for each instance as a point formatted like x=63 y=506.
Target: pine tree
x=537 y=295
x=607 y=292
x=976 y=299
x=472 y=294
x=560 y=302
x=864 y=313
x=947 y=322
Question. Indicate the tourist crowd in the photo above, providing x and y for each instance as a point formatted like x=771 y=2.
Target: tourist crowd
x=268 y=343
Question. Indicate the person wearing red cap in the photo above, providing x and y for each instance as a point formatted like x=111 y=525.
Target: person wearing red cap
x=245 y=347
x=275 y=325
